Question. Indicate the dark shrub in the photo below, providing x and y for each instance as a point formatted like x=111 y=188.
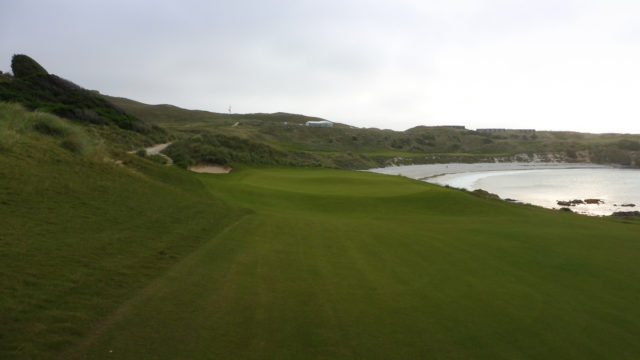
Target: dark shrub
x=48 y=125
x=88 y=115
x=73 y=143
x=158 y=159
x=484 y=194
x=36 y=89
x=628 y=145
x=24 y=66
x=141 y=126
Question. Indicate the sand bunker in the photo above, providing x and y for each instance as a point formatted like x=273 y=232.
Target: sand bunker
x=211 y=169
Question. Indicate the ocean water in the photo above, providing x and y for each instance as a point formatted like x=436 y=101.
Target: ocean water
x=544 y=187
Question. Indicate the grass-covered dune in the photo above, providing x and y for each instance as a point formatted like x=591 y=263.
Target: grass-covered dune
x=143 y=261
x=80 y=234
x=33 y=87
x=348 y=147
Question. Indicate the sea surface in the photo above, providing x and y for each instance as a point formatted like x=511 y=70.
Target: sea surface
x=542 y=186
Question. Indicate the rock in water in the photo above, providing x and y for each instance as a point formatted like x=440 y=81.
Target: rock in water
x=593 y=201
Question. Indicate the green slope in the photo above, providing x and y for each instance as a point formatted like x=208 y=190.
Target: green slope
x=79 y=234
x=342 y=265
x=349 y=147
x=33 y=87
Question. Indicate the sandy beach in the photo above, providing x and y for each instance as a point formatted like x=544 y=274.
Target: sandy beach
x=423 y=172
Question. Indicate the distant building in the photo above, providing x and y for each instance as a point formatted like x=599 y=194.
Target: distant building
x=491 y=130
x=322 y=123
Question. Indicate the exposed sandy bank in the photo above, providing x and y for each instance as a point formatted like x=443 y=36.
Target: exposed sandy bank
x=211 y=169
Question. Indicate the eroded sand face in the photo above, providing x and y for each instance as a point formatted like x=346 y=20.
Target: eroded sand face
x=211 y=169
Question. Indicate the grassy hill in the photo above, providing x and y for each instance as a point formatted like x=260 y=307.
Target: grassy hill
x=345 y=146
x=84 y=228
x=107 y=255
x=282 y=139
x=342 y=265
x=32 y=86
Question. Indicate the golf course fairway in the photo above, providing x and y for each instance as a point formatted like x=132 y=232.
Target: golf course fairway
x=329 y=264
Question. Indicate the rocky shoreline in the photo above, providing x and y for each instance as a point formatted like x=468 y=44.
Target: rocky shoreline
x=458 y=175
x=567 y=204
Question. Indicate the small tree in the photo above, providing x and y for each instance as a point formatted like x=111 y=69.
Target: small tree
x=24 y=66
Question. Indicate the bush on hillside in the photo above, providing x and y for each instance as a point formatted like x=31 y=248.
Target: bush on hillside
x=35 y=88
x=73 y=138
x=74 y=143
x=157 y=159
x=18 y=124
x=49 y=125
x=484 y=194
x=24 y=66
x=610 y=155
x=226 y=150
x=626 y=144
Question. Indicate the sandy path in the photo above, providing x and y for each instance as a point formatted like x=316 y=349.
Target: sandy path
x=155 y=150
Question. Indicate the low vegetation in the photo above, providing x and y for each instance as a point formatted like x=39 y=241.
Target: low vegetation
x=33 y=87
x=344 y=146
x=15 y=122
x=225 y=150
x=80 y=234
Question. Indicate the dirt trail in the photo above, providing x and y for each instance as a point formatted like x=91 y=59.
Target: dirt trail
x=156 y=149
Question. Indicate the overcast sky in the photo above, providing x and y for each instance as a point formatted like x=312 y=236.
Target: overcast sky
x=544 y=64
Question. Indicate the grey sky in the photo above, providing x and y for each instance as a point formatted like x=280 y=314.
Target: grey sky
x=561 y=64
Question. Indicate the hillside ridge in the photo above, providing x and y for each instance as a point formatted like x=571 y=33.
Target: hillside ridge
x=34 y=87
x=345 y=146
